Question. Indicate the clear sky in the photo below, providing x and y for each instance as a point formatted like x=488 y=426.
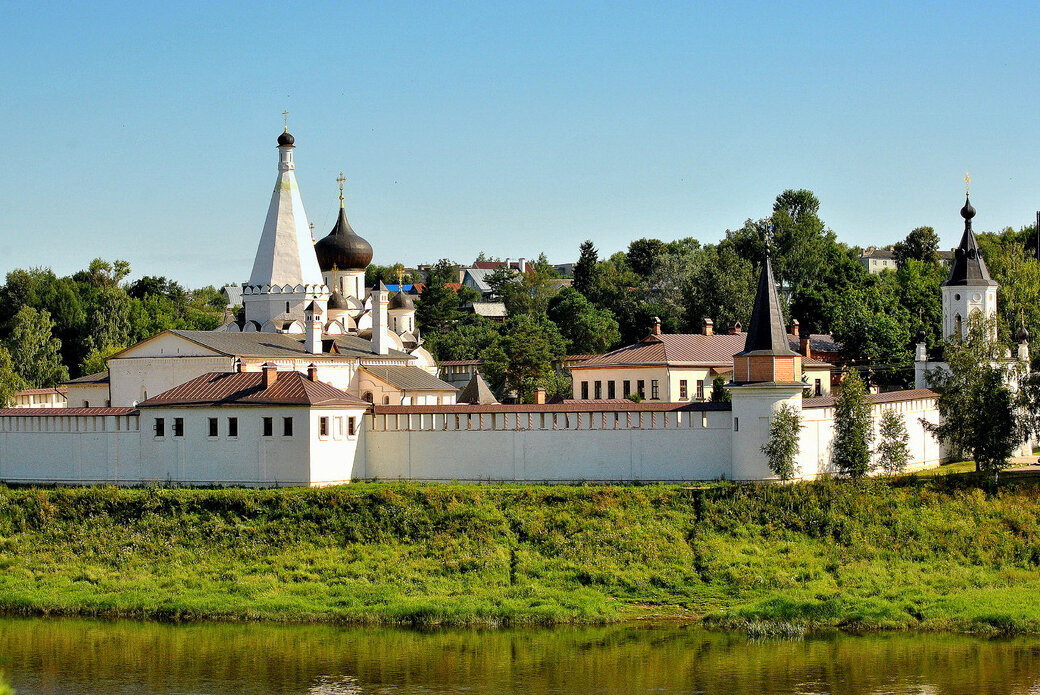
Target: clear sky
x=146 y=131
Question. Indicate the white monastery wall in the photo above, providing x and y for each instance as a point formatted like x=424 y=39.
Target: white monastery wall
x=70 y=449
x=548 y=446
x=133 y=380
x=87 y=395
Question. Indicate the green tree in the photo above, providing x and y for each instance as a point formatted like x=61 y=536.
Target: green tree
x=10 y=381
x=893 y=452
x=853 y=428
x=978 y=417
x=782 y=448
x=588 y=329
x=874 y=329
x=523 y=358
x=643 y=255
x=719 y=394
x=723 y=288
x=585 y=269
x=97 y=359
x=921 y=244
x=35 y=351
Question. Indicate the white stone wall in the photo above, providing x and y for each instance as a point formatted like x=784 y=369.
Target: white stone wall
x=70 y=449
x=548 y=446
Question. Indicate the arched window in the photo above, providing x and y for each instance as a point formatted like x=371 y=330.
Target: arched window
x=957 y=326
x=368 y=397
x=386 y=400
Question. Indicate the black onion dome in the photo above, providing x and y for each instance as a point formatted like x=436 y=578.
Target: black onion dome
x=343 y=248
x=1023 y=334
x=337 y=302
x=285 y=138
x=967 y=212
x=402 y=300
x=922 y=335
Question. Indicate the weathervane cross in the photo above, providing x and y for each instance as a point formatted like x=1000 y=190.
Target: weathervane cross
x=285 y=117
x=967 y=183
x=340 y=179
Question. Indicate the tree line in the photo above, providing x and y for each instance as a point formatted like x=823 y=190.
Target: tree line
x=55 y=328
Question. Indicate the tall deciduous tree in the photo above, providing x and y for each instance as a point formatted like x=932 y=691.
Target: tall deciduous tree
x=588 y=329
x=643 y=255
x=921 y=244
x=35 y=351
x=853 y=428
x=9 y=379
x=781 y=449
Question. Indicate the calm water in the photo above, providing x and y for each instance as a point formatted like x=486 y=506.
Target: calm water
x=73 y=657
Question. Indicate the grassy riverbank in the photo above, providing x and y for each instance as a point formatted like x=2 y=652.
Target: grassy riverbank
x=932 y=553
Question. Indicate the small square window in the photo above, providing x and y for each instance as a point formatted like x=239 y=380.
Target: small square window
x=682 y=389
x=641 y=388
x=232 y=427
x=611 y=390
x=654 y=390
x=178 y=427
x=700 y=389
x=599 y=390
x=626 y=390
x=351 y=427
x=286 y=426
x=213 y=427
x=584 y=390
x=323 y=427
x=268 y=426
x=160 y=427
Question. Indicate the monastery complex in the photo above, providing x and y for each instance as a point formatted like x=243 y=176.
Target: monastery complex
x=321 y=380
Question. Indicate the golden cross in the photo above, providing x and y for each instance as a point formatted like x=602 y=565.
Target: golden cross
x=285 y=117
x=340 y=179
x=967 y=183
x=400 y=274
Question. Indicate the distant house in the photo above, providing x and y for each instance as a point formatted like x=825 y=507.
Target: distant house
x=458 y=373
x=680 y=367
x=877 y=259
x=476 y=278
x=40 y=398
x=496 y=311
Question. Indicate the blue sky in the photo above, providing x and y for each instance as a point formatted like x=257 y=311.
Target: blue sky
x=146 y=131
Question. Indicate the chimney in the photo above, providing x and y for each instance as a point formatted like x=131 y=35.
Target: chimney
x=539 y=396
x=508 y=260
x=656 y=328
x=522 y=263
x=270 y=374
x=735 y=328
x=238 y=365
x=708 y=327
x=313 y=324
x=312 y=372
x=380 y=339
x=803 y=345
x=794 y=328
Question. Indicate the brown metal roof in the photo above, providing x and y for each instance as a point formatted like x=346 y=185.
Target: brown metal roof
x=693 y=349
x=51 y=412
x=247 y=388
x=873 y=398
x=566 y=407
x=460 y=363
x=39 y=392
x=409 y=378
x=96 y=378
x=283 y=345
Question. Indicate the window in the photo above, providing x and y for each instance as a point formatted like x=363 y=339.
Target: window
x=232 y=427
x=287 y=307
x=386 y=400
x=700 y=389
x=584 y=390
x=818 y=388
x=351 y=427
x=178 y=427
x=323 y=427
x=611 y=390
x=160 y=427
x=683 y=395
x=736 y=424
x=626 y=389
x=599 y=390
x=286 y=426
x=655 y=391
x=641 y=388
x=368 y=397
x=213 y=427
x=339 y=428
x=267 y=425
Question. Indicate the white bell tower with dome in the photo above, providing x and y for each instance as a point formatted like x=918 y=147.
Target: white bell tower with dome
x=969 y=290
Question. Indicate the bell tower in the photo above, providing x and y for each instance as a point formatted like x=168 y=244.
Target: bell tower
x=969 y=290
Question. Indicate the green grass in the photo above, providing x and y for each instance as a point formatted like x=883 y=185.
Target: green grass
x=909 y=553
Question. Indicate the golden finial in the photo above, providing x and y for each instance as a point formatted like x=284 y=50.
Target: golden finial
x=340 y=179
x=967 y=184
x=313 y=240
x=400 y=275
x=285 y=117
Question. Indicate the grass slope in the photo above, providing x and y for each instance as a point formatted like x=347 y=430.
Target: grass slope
x=914 y=553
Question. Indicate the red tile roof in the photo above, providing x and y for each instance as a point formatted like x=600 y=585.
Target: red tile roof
x=39 y=392
x=247 y=388
x=50 y=412
x=688 y=349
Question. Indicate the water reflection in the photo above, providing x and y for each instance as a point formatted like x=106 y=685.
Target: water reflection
x=76 y=657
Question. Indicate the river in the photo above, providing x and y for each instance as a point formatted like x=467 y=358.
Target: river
x=80 y=657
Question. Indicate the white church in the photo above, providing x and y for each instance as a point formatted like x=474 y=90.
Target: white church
x=323 y=381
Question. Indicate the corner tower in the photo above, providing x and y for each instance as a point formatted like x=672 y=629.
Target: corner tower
x=969 y=289
x=285 y=277
x=766 y=374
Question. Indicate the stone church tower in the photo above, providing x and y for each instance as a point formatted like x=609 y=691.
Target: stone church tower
x=969 y=289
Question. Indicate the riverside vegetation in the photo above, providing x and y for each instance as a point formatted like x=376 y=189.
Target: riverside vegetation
x=935 y=553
